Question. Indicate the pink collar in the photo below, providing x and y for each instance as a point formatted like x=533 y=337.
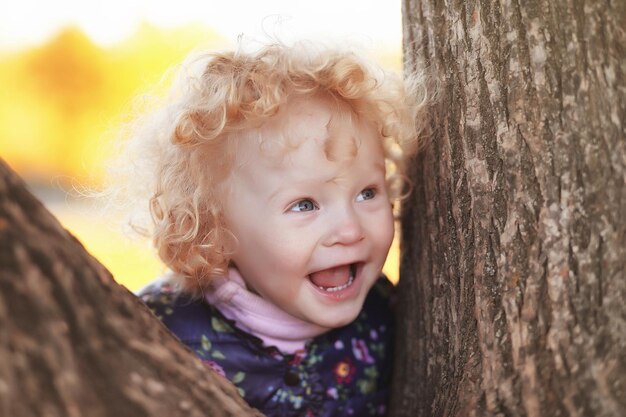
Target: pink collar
x=258 y=316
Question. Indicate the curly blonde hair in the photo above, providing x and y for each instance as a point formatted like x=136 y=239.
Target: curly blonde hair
x=186 y=147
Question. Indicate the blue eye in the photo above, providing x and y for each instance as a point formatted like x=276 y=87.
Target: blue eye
x=366 y=194
x=303 y=205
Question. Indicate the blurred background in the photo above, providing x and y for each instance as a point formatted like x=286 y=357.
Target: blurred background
x=69 y=71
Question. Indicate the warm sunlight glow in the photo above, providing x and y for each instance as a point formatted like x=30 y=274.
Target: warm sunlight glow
x=71 y=72
x=61 y=101
x=375 y=22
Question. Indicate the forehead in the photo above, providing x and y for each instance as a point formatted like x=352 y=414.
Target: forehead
x=309 y=122
x=305 y=117
x=292 y=152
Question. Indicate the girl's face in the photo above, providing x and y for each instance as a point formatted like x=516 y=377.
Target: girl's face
x=313 y=233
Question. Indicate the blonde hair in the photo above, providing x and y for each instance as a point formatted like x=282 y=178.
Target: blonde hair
x=185 y=148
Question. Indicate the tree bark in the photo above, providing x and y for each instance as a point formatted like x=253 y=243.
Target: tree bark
x=512 y=283
x=74 y=343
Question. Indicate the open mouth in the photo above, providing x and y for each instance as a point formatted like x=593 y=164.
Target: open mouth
x=334 y=279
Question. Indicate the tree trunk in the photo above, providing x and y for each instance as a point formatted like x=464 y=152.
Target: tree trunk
x=512 y=282
x=74 y=343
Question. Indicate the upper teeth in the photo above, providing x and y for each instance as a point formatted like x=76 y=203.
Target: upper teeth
x=344 y=286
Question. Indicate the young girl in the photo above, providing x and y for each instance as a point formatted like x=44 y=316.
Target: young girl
x=272 y=176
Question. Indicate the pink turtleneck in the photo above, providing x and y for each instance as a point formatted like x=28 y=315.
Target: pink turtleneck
x=258 y=316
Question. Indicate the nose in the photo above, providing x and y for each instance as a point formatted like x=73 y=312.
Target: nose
x=346 y=228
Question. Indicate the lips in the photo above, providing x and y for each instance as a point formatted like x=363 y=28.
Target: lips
x=334 y=279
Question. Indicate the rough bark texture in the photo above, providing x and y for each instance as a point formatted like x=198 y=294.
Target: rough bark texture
x=514 y=241
x=74 y=343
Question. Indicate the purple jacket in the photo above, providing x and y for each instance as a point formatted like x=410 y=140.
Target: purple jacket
x=345 y=372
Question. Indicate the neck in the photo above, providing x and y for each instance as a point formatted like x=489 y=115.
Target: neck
x=257 y=316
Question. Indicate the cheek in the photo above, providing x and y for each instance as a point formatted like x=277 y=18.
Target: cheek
x=279 y=254
x=384 y=233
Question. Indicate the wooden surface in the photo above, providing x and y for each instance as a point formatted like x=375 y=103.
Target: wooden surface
x=512 y=282
x=74 y=343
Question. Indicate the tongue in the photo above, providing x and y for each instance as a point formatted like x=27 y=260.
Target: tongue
x=333 y=277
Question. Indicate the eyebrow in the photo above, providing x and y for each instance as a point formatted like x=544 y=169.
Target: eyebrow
x=377 y=167
x=281 y=189
x=380 y=167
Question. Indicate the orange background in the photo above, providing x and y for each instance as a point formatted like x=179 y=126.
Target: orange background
x=61 y=107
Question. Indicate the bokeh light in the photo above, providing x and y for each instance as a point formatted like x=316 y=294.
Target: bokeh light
x=68 y=85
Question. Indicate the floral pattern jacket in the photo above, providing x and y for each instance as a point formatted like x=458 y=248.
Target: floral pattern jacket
x=345 y=372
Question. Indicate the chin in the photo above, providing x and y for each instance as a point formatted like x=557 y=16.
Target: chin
x=339 y=320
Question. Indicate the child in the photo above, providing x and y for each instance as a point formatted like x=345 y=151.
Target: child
x=273 y=176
